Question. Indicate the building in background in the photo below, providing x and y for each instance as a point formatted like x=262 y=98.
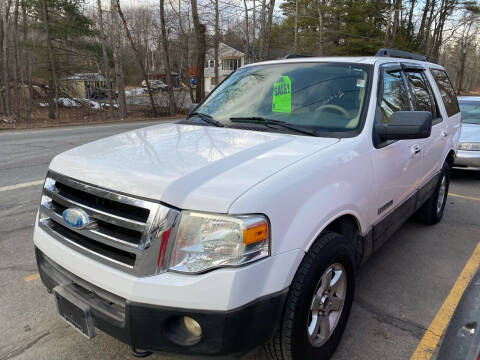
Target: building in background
x=230 y=59
x=85 y=86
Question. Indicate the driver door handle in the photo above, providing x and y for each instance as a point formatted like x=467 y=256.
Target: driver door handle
x=444 y=133
x=416 y=149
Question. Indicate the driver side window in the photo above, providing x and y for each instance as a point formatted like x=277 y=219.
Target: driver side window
x=394 y=97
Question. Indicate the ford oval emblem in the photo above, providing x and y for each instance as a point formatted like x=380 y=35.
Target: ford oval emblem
x=76 y=218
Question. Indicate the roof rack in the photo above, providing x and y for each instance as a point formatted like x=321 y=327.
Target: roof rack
x=384 y=52
x=294 y=56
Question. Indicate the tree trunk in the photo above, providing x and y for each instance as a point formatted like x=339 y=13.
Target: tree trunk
x=216 y=41
x=262 y=31
x=186 y=50
x=15 y=61
x=2 y=93
x=52 y=81
x=200 y=30
x=421 y=30
x=106 y=68
x=463 y=59
x=320 y=28
x=295 y=44
x=254 y=32
x=387 y=30
x=410 y=18
x=166 y=59
x=117 y=56
x=247 y=34
x=271 y=7
x=138 y=56
x=6 y=75
x=396 y=20
x=428 y=28
x=26 y=71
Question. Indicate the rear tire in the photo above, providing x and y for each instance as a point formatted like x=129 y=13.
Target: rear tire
x=432 y=211
x=318 y=303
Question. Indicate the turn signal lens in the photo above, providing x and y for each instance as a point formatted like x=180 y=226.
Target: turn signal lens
x=255 y=234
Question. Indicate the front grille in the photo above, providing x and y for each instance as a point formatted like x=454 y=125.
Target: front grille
x=126 y=231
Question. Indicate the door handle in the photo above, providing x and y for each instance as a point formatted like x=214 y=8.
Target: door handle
x=444 y=133
x=416 y=150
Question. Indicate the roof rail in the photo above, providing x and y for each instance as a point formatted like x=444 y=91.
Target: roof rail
x=384 y=52
x=295 y=56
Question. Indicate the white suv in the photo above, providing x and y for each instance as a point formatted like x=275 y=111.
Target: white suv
x=243 y=224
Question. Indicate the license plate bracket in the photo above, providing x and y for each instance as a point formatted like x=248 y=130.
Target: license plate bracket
x=74 y=311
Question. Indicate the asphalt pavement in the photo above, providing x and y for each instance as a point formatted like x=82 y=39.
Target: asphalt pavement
x=399 y=290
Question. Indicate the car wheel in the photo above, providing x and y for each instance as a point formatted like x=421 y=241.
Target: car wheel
x=432 y=211
x=318 y=303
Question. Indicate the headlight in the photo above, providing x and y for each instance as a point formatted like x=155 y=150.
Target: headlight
x=208 y=241
x=469 y=146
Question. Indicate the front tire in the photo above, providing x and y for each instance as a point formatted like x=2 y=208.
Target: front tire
x=432 y=211
x=318 y=303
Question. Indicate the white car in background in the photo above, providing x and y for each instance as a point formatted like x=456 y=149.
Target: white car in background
x=155 y=84
x=468 y=154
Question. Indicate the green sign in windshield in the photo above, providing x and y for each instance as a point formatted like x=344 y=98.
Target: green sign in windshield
x=282 y=95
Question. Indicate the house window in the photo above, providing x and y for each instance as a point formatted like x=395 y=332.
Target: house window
x=213 y=82
x=231 y=64
x=212 y=63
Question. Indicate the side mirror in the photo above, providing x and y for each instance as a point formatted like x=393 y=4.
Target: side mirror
x=192 y=108
x=406 y=125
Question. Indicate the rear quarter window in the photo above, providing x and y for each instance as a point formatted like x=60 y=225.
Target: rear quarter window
x=446 y=90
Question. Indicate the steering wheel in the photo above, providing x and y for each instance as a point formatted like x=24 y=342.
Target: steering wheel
x=333 y=107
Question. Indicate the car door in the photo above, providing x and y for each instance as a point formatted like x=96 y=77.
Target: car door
x=397 y=164
x=433 y=147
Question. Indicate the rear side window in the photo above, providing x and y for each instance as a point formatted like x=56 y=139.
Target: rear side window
x=394 y=96
x=446 y=89
x=421 y=96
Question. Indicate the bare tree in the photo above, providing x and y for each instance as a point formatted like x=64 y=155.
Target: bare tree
x=117 y=55
x=27 y=69
x=320 y=4
x=52 y=81
x=247 y=33
x=396 y=19
x=262 y=30
x=6 y=75
x=166 y=58
x=216 y=40
x=295 y=41
x=106 y=68
x=254 y=31
x=186 y=48
x=140 y=62
x=268 y=36
x=15 y=60
x=200 y=31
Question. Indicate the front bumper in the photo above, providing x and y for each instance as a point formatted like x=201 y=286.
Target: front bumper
x=148 y=327
x=467 y=159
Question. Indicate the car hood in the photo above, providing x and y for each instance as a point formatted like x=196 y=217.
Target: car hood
x=470 y=133
x=187 y=166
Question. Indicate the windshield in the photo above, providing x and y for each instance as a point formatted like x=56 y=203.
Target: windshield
x=470 y=111
x=320 y=97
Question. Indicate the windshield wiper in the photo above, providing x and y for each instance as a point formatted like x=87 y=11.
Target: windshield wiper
x=206 y=118
x=266 y=121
